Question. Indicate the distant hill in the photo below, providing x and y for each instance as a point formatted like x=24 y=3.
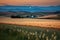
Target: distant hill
x=39 y=11
x=25 y=13
x=9 y=13
x=50 y=17
x=29 y=8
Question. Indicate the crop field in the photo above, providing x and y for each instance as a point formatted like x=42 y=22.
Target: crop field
x=31 y=22
x=17 y=32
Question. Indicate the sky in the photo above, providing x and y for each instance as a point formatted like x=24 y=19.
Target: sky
x=30 y=2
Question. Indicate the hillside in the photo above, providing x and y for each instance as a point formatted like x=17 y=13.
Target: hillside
x=55 y=16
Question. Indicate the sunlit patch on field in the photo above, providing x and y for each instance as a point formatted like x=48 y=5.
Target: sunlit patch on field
x=15 y=32
x=31 y=22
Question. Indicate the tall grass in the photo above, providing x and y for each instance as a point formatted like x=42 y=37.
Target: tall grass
x=14 y=32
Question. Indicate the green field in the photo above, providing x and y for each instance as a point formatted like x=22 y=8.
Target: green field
x=15 y=32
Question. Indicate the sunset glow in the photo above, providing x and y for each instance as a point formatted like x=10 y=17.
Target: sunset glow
x=30 y=2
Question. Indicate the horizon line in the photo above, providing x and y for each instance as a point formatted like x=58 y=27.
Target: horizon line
x=29 y=5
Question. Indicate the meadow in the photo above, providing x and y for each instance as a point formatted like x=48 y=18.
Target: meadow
x=17 y=32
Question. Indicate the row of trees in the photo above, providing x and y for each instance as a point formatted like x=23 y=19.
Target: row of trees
x=22 y=16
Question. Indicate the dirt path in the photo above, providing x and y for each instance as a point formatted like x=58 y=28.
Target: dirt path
x=31 y=22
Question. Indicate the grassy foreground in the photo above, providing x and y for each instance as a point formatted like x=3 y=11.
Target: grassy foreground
x=15 y=32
